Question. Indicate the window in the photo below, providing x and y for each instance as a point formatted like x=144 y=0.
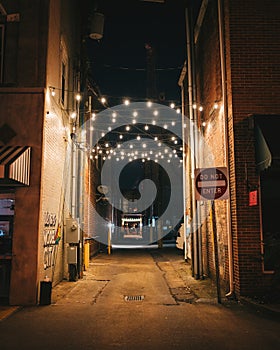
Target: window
x=63 y=82
x=64 y=75
x=1 y=51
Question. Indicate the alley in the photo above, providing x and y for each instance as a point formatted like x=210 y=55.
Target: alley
x=138 y=299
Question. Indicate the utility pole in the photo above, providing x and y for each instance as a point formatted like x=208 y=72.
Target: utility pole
x=151 y=92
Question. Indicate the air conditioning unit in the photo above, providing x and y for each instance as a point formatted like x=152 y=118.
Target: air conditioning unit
x=72 y=231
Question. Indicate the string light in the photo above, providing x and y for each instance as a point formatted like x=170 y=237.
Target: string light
x=161 y=139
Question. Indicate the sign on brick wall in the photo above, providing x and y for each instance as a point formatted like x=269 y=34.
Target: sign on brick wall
x=211 y=184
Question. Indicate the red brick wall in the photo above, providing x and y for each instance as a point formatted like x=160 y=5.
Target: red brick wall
x=252 y=53
x=254 y=31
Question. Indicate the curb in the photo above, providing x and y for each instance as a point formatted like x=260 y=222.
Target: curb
x=7 y=311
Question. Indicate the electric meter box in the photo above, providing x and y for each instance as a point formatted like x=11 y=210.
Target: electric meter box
x=72 y=256
x=72 y=231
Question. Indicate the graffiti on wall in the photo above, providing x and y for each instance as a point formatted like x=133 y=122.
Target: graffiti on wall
x=51 y=235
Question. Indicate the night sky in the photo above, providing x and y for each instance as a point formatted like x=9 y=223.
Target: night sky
x=118 y=60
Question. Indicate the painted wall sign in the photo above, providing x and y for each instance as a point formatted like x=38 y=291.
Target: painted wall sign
x=50 y=239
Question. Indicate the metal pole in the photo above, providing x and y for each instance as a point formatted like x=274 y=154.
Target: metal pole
x=216 y=251
x=195 y=256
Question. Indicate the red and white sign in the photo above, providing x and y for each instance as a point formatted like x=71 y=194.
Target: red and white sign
x=211 y=184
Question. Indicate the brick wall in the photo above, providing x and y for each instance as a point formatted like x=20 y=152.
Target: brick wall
x=252 y=53
x=209 y=93
x=55 y=184
x=254 y=29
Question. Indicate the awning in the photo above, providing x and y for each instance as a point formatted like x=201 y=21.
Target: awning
x=14 y=165
x=267 y=143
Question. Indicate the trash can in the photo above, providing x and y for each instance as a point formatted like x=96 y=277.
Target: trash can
x=45 y=292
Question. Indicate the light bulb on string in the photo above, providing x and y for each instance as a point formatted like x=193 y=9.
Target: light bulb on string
x=149 y=104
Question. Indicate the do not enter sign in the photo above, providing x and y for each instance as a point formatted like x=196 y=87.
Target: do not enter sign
x=211 y=183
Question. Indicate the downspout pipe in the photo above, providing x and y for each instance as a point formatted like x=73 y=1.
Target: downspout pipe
x=231 y=293
x=181 y=84
x=191 y=93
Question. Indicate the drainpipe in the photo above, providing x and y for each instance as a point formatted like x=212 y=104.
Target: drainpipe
x=194 y=233
x=231 y=293
x=181 y=84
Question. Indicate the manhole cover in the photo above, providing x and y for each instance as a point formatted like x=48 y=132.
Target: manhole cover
x=134 y=297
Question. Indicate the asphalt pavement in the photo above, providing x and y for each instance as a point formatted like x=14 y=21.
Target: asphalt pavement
x=139 y=299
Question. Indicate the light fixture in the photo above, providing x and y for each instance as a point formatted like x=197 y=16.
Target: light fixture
x=52 y=90
x=78 y=97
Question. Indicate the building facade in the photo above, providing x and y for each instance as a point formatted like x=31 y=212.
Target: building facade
x=40 y=53
x=233 y=71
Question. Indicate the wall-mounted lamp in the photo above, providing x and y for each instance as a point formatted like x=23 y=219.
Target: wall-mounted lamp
x=52 y=90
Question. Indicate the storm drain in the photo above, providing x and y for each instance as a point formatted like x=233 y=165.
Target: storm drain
x=134 y=297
